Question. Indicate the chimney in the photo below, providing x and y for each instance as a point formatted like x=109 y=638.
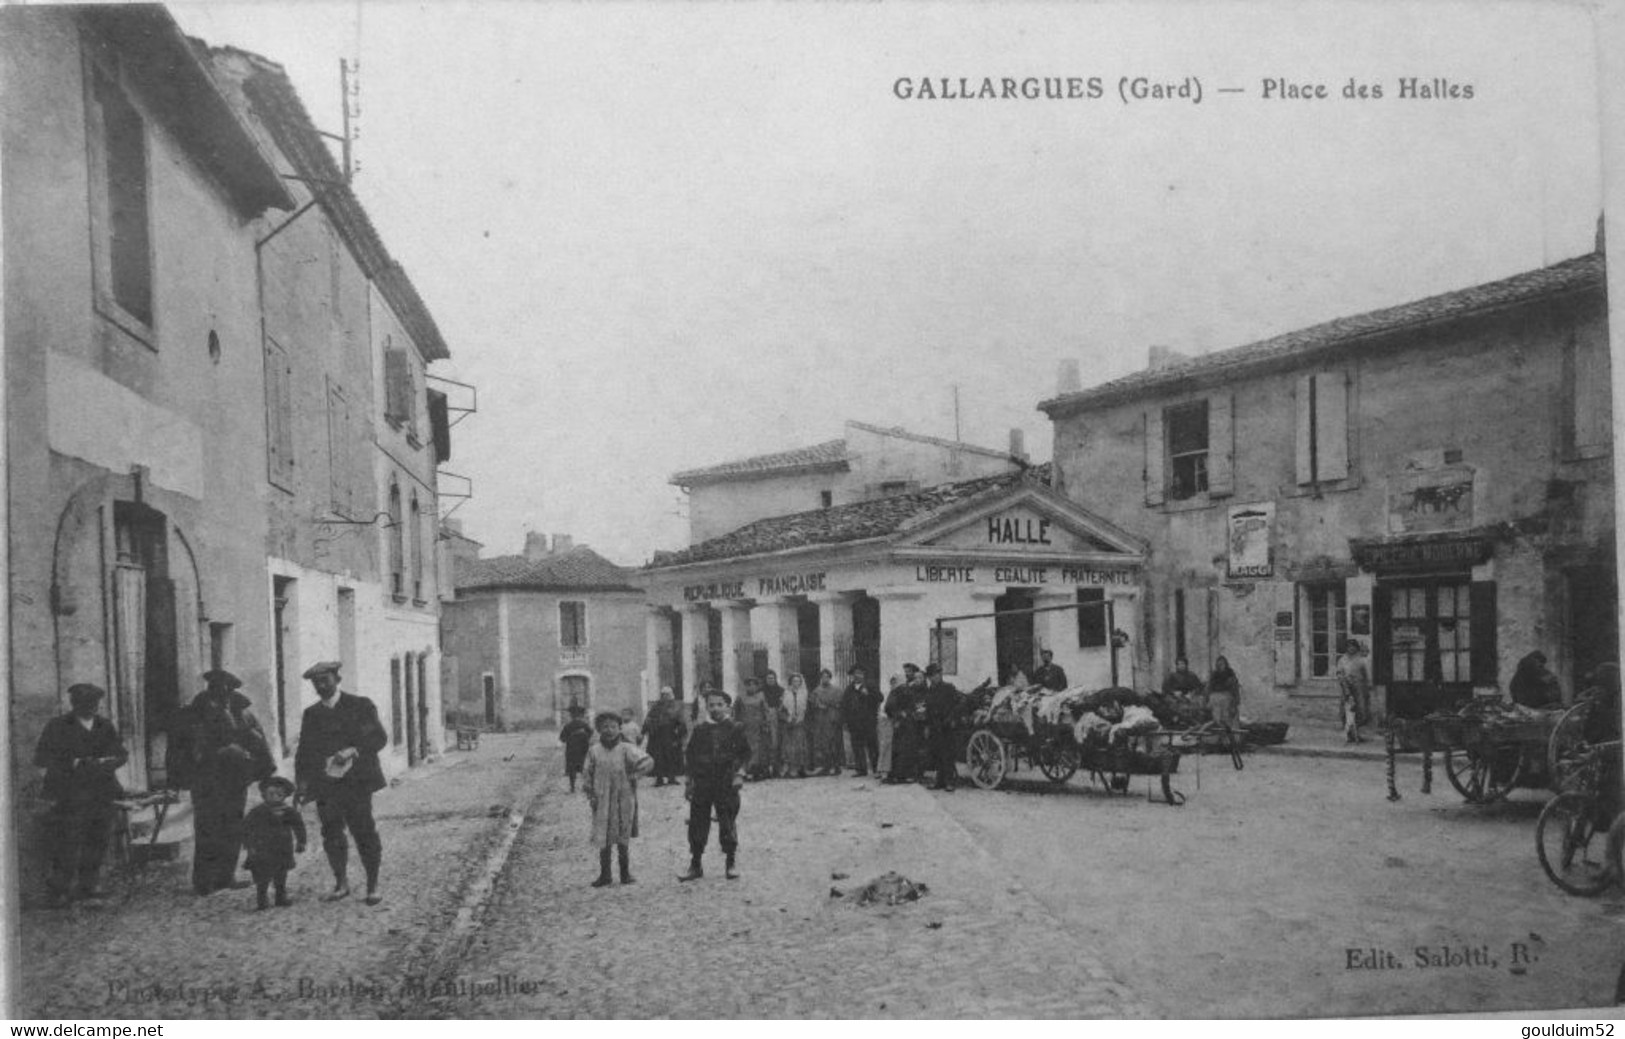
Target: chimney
x=1018 y=445
x=535 y=546
x=1165 y=357
x=455 y=526
x=562 y=543
x=1067 y=379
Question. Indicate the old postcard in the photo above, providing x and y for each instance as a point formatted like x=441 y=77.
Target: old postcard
x=916 y=510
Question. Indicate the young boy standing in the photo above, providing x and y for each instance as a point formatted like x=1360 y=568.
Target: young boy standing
x=576 y=737
x=718 y=756
x=273 y=833
x=613 y=766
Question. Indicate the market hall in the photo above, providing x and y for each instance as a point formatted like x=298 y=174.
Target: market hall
x=865 y=583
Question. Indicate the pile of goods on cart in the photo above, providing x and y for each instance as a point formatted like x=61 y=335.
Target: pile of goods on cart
x=1490 y=746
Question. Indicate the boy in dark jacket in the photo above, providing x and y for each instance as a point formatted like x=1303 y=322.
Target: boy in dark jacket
x=576 y=737
x=718 y=755
x=273 y=833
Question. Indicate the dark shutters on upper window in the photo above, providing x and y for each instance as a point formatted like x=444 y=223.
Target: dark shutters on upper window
x=1322 y=428
x=439 y=426
x=125 y=234
x=398 y=397
x=278 y=415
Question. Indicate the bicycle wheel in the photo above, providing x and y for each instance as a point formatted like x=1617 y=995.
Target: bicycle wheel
x=1573 y=850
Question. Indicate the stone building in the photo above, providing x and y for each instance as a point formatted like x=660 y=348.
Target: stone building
x=196 y=422
x=1435 y=478
x=867 y=462
x=528 y=635
x=866 y=582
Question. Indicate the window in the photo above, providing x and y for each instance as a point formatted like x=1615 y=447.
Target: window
x=826 y=499
x=416 y=532
x=1323 y=428
x=397 y=545
x=119 y=214
x=278 y=415
x=1091 y=618
x=1179 y=625
x=572 y=624
x=1328 y=626
x=1187 y=450
x=397 y=705
x=1429 y=628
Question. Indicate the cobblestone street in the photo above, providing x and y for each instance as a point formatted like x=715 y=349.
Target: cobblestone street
x=1043 y=902
x=157 y=950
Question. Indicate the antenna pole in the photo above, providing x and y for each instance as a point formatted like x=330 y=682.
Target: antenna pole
x=344 y=90
x=956 y=413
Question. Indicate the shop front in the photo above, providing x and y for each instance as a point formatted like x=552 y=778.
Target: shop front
x=866 y=584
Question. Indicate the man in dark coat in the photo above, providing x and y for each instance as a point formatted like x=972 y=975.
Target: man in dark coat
x=902 y=707
x=941 y=714
x=79 y=752
x=337 y=767
x=1049 y=674
x=860 y=711
x=216 y=751
x=718 y=755
x=577 y=737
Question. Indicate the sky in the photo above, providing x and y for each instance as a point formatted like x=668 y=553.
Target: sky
x=661 y=236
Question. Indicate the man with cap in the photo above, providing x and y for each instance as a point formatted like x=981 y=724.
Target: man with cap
x=1049 y=673
x=860 y=711
x=941 y=714
x=337 y=767
x=216 y=751
x=718 y=757
x=79 y=752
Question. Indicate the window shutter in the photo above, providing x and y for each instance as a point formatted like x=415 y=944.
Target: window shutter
x=278 y=415
x=1155 y=452
x=1482 y=652
x=1331 y=426
x=1306 y=462
x=1221 y=447
x=1286 y=634
x=439 y=426
x=397 y=385
x=1382 y=656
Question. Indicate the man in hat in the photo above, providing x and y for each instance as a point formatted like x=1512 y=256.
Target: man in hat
x=902 y=705
x=718 y=756
x=860 y=711
x=337 y=767
x=1049 y=674
x=216 y=751
x=79 y=752
x=941 y=714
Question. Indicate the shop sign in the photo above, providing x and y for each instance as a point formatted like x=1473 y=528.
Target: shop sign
x=1413 y=555
x=1017 y=529
x=1250 y=529
x=1430 y=500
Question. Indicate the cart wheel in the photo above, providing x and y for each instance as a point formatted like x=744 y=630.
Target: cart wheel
x=1567 y=736
x=1573 y=850
x=1058 y=761
x=984 y=754
x=1484 y=774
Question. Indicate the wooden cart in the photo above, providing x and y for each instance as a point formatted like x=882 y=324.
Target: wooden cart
x=996 y=747
x=1485 y=757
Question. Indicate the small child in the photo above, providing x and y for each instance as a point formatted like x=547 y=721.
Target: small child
x=613 y=766
x=273 y=833
x=576 y=737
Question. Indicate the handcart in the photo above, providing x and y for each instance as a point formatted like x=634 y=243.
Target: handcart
x=994 y=748
x=1488 y=748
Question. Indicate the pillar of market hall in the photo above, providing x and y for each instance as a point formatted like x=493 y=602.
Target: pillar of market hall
x=772 y=621
x=736 y=644
x=695 y=650
x=905 y=632
x=835 y=648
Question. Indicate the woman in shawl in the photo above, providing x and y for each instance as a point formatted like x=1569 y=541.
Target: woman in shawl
x=1534 y=685
x=611 y=784
x=793 y=713
x=751 y=712
x=825 y=713
x=1224 y=694
x=665 y=737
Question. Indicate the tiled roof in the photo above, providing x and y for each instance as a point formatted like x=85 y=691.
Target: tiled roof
x=1582 y=273
x=278 y=107
x=579 y=569
x=858 y=521
x=829 y=453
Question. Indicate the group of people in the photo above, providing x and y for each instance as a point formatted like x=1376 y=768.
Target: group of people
x=216 y=751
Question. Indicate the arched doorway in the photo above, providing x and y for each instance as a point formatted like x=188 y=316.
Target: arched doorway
x=129 y=614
